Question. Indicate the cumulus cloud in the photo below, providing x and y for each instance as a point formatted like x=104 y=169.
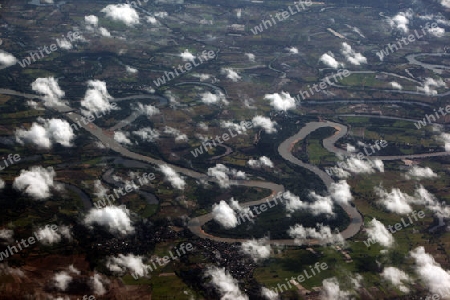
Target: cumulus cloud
x=222 y=174
x=257 y=249
x=340 y=192
x=7 y=234
x=7 y=59
x=147 y=134
x=329 y=60
x=319 y=205
x=2 y=184
x=378 y=232
x=99 y=190
x=62 y=280
x=240 y=128
x=428 y=87
x=36 y=182
x=250 y=56
x=281 y=102
x=224 y=215
x=332 y=291
x=396 y=85
x=187 y=56
x=395 y=201
x=210 y=98
x=121 y=12
x=445 y=3
x=175 y=180
x=261 y=162
x=48 y=236
x=131 y=70
x=122 y=137
x=225 y=284
x=293 y=50
x=47 y=132
x=353 y=57
x=97 y=284
x=91 y=20
x=401 y=20
x=445 y=137
x=322 y=234
x=104 y=32
x=417 y=172
x=115 y=219
x=127 y=263
x=265 y=123
x=50 y=91
x=179 y=137
x=396 y=277
x=431 y=273
x=96 y=100
x=231 y=74
x=355 y=165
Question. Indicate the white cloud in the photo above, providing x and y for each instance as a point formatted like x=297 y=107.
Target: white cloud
x=401 y=20
x=340 y=192
x=395 y=201
x=224 y=215
x=7 y=234
x=257 y=249
x=187 y=56
x=431 y=273
x=47 y=132
x=7 y=59
x=121 y=137
x=427 y=86
x=62 y=280
x=293 y=50
x=179 y=137
x=353 y=57
x=396 y=85
x=147 y=134
x=265 y=123
x=96 y=99
x=226 y=285
x=97 y=283
x=131 y=70
x=210 y=98
x=91 y=20
x=332 y=291
x=99 y=190
x=240 y=128
x=131 y=263
x=323 y=235
x=123 y=13
x=48 y=236
x=175 y=180
x=115 y=219
x=356 y=165
x=417 y=172
x=319 y=205
x=148 y=110
x=50 y=91
x=104 y=32
x=445 y=3
x=2 y=184
x=36 y=182
x=222 y=174
x=378 y=232
x=250 y=56
x=329 y=60
x=262 y=162
x=231 y=74
x=396 y=277
x=282 y=101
